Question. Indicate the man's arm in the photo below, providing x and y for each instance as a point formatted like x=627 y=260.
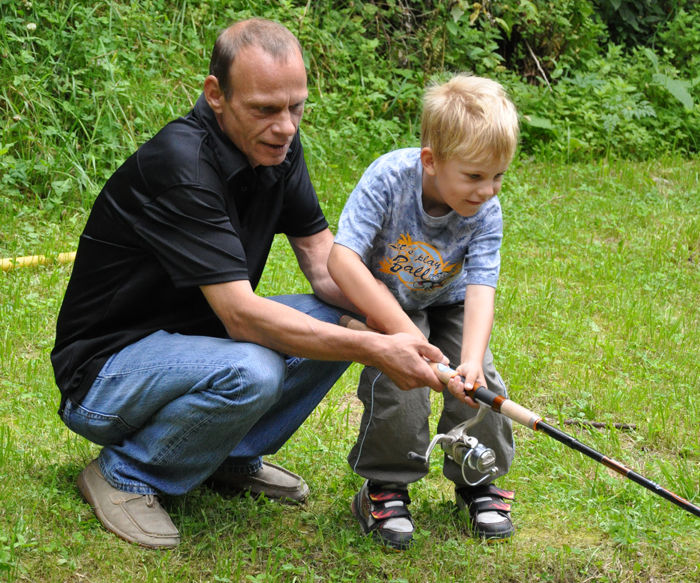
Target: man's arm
x=250 y=318
x=312 y=255
x=372 y=297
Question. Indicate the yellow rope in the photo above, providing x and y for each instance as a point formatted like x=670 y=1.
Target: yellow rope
x=33 y=260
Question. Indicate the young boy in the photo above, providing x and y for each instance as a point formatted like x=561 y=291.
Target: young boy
x=417 y=251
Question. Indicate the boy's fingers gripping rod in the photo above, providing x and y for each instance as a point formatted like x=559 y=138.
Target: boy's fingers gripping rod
x=529 y=419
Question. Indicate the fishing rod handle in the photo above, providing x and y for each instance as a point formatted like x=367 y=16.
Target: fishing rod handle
x=506 y=407
x=480 y=394
x=353 y=324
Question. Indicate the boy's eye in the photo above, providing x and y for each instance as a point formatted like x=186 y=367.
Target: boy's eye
x=474 y=176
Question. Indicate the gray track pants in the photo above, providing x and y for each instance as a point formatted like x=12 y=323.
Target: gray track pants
x=395 y=422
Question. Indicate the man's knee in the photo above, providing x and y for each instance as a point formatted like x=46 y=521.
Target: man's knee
x=258 y=379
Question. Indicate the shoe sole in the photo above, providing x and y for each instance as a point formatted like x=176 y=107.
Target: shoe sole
x=494 y=539
x=224 y=489
x=489 y=538
x=358 y=515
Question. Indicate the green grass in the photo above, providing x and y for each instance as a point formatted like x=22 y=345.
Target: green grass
x=597 y=318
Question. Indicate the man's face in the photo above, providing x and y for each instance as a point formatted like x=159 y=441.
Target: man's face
x=263 y=115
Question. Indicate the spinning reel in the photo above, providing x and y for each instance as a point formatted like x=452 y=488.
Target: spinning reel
x=464 y=449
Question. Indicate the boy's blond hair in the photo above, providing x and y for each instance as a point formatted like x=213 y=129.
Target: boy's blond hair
x=470 y=117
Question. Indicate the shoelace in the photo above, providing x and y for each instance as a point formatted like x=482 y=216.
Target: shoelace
x=150 y=500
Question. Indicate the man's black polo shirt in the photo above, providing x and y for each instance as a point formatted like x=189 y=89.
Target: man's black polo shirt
x=185 y=210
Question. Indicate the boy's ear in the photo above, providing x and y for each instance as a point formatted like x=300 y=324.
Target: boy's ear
x=427 y=158
x=213 y=93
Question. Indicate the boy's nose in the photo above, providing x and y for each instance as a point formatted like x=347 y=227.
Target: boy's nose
x=486 y=192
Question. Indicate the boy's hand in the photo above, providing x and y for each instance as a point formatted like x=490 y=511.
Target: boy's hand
x=473 y=374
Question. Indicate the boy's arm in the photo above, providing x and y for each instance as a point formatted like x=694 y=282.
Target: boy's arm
x=478 y=322
x=312 y=254
x=368 y=294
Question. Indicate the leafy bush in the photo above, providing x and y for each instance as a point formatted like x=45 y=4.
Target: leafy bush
x=680 y=40
x=82 y=85
x=633 y=105
x=634 y=22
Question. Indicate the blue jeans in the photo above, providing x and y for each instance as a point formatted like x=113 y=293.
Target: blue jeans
x=171 y=409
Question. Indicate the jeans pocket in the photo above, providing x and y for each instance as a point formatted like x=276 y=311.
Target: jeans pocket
x=293 y=362
x=99 y=428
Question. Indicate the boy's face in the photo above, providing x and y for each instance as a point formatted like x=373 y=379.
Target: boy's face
x=459 y=184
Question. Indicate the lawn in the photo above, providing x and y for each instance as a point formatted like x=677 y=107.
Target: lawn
x=596 y=319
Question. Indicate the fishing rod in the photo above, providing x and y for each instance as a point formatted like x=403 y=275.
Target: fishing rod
x=520 y=414
x=488 y=399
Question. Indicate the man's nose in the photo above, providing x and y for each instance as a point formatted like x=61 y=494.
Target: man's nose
x=285 y=125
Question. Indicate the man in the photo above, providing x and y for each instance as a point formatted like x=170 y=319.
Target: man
x=164 y=353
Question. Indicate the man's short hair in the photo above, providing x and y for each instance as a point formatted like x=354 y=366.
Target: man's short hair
x=270 y=36
x=469 y=117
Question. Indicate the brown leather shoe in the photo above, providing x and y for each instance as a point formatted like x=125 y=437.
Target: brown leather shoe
x=272 y=480
x=136 y=518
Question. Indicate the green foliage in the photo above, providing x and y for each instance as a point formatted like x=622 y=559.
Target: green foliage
x=635 y=103
x=680 y=40
x=634 y=22
x=82 y=85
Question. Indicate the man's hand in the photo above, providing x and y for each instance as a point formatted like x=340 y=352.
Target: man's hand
x=402 y=357
x=398 y=371
x=250 y=318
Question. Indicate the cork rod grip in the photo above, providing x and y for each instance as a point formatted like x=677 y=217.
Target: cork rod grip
x=352 y=324
x=506 y=407
x=444 y=373
x=520 y=414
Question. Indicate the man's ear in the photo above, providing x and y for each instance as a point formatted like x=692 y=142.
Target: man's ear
x=427 y=158
x=213 y=94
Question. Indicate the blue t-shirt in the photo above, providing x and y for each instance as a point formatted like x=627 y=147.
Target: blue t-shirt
x=423 y=260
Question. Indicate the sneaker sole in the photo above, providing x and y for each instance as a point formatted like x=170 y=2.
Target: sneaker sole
x=356 y=513
x=489 y=538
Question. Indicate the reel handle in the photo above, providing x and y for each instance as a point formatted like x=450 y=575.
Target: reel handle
x=412 y=455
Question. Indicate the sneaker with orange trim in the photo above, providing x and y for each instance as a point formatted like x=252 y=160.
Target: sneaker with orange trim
x=382 y=511
x=487 y=510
